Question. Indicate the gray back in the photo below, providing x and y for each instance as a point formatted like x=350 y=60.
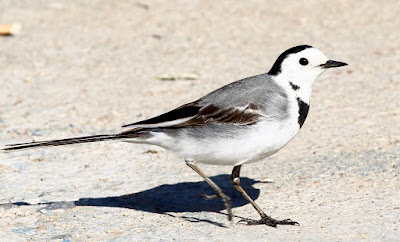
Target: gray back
x=260 y=91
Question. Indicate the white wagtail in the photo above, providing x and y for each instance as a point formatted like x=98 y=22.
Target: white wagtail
x=242 y=122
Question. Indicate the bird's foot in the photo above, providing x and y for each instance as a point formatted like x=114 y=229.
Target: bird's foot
x=209 y=197
x=268 y=221
x=225 y=199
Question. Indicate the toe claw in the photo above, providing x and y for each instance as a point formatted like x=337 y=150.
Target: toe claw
x=209 y=197
x=244 y=220
x=268 y=221
x=288 y=222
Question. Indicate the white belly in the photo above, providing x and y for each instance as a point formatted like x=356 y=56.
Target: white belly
x=261 y=141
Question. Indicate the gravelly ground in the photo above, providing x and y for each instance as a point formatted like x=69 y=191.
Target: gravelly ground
x=87 y=67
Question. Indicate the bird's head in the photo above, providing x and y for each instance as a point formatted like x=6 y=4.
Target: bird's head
x=302 y=65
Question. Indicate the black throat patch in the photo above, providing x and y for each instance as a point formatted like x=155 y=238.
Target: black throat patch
x=303 y=111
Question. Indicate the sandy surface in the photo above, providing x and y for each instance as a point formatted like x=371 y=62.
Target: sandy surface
x=87 y=67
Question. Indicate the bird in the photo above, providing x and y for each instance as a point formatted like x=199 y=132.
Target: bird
x=242 y=122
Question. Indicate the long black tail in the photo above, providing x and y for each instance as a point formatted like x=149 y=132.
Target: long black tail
x=58 y=142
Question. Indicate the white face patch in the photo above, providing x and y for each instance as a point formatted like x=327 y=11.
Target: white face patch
x=299 y=70
x=304 y=63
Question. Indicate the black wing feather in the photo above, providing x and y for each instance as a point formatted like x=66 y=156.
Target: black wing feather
x=185 y=111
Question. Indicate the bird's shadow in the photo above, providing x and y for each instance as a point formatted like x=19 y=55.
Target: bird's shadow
x=177 y=198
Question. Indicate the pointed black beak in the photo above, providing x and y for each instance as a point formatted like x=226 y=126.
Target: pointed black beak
x=332 y=64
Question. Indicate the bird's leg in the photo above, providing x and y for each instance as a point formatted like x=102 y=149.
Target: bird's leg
x=265 y=219
x=218 y=190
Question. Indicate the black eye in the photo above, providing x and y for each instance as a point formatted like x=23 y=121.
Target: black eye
x=303 y=61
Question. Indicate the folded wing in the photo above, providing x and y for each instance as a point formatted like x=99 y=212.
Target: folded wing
x=242 y=102
x=194 y=114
